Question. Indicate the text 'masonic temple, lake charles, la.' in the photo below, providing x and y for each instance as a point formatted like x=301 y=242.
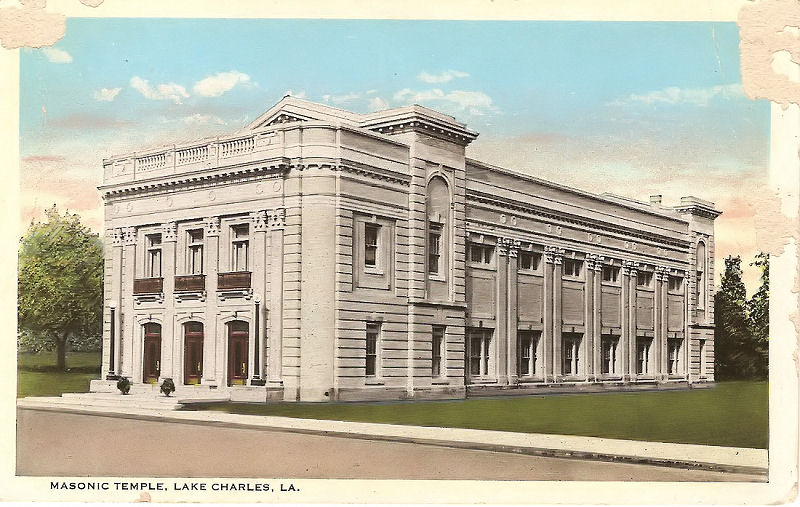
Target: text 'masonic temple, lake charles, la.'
x=319 y=254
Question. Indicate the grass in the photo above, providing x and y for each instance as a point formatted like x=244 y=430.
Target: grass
x=37 y=375
x=731 y=414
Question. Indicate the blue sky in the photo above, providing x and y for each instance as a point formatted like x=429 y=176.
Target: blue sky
x=632 y=108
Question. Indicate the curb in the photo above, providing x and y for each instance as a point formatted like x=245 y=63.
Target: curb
x=185 y=417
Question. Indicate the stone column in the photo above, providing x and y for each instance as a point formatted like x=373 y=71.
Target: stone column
x=558 y=274
x=687 y=356
x=259 y=227
x=213 y=373
x=623 y=348
x=277 y=223
x=170 y=342
x=633 y=268
x=501 y=313
x=663 y=330
x=547 y=316
x=590 y=337
x=130 y=336
x=511 y=247
x=597 y=323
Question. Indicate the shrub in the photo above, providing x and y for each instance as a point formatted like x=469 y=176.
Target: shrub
x=124 y=385
x=168 y=386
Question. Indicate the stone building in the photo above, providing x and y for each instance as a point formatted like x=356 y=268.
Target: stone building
x=319 y=254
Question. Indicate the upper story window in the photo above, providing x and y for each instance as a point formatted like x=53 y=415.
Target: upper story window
x=434 y=248
x=644 y=279
x=700 y=267
x=529 y=260
x=572 y=267
x=153 y=268
x=195 y=251
x=675 y=283
x=481 y=254
x=240 y=246
x=371 y=234
x=611 y=274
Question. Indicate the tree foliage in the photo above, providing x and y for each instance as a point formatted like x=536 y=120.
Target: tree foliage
x=59 y=285
x=739 y=349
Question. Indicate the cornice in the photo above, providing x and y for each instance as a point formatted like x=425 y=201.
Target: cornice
x=477 y=196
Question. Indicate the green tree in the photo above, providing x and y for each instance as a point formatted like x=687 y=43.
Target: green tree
x=730 y=316
x=758 y=313
x=60 y=288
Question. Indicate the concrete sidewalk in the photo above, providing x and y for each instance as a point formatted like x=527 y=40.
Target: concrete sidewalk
x=707 y=457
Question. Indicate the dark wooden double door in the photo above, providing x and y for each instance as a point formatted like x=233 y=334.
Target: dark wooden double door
x=238 y=352
x=192 y=353
x=152 y=353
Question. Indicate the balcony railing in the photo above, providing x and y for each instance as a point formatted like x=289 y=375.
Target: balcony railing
x=148 y=286
x=233 y=280
x=190 y=283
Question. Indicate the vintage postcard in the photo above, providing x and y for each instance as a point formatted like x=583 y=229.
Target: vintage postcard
x=476 y=253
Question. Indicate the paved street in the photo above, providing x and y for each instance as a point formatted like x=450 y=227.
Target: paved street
x=61 y=444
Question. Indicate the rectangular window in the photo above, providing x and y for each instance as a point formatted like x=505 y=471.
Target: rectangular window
x=479 y=347
x=675 y=283
x=572 y=267
x=702 y=358
x=373 y=334
x=195 y=251
x=643 y=355
x=644 y=279
x=530 y=260
x=240 y=244
x=480 y=254
x=699 y=294
x=371 y=234
x=673 y=355
x=528 y=357
x=153 y=268
x=571 y=354
x=437 y=350
x=434 y=248
x=611 y=274
x=609 y=354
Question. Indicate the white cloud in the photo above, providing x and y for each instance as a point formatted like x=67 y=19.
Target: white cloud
x=475 y=103
x=442 y=77
x=55 y=55
x=674 y=95
x=203 y=119
x=300 y=95
x=378 y=104
x=164 y=91
x=106 y=94
x=216 y=85
x=348 y=97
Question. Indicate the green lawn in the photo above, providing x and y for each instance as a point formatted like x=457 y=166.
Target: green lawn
x=36 y=374
x=731 y=414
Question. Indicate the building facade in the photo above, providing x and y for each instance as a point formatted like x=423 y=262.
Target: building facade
x=320 y=254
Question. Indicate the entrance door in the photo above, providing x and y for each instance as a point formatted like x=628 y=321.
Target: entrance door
x=152 y=353
x=192 y=353
x=238 y=336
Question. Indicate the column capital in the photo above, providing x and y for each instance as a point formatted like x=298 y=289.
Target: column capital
x=508 y=246
x=553 y=254
x=662 y=273
x=212 y=226
x=630 y=267
x=169 y=232
x=259 y=220
x=129 y=236
x=117 y=236
x=594 y=262
x=277 y=218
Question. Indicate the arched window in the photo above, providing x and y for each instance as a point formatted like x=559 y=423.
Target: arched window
x=438 y=206
x=701 y=279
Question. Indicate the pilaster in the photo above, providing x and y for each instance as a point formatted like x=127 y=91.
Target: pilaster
x=501 y=313
x=170 y=344
x=557 y=256
x=129 y=338
x=507 y=286
x=213 y=371
x=258 y=224
x=623 y=349
x=594 y=265
x=115 y=297
x=547 y=316
x=277 y=223
x=633 y=269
